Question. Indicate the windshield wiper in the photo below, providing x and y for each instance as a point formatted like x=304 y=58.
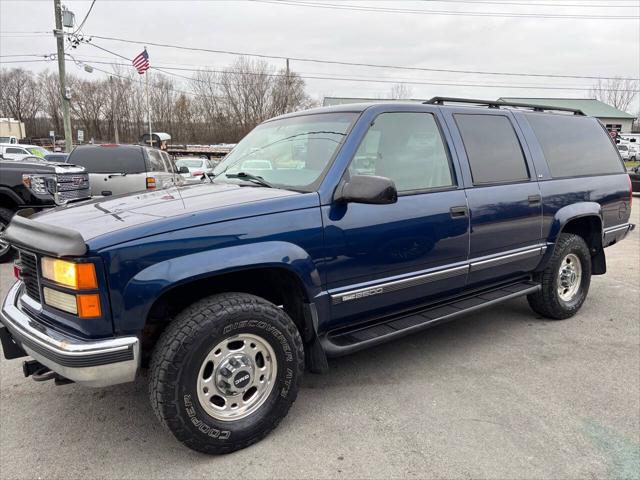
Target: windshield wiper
x=250 y=177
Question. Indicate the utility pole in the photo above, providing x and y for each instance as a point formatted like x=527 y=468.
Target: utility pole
x=287 y=89
x=113 y=111
x=64 y=98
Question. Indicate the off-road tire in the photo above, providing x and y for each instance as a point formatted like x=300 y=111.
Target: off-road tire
x=547 y=301
x=5 y=218
x=181 y=349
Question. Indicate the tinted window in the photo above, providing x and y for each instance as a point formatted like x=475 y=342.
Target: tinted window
x=155 y=161
x=493 y=149
x=109 y=159
x=407 y=148
x=16 y=150
x=575 y=145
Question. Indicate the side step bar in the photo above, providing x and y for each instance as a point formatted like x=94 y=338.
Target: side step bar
x=343 y=342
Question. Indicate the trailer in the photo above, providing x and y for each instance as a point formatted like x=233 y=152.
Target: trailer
x=210 y=151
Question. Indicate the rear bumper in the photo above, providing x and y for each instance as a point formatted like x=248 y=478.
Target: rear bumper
x=92 y=363
x=614 y=234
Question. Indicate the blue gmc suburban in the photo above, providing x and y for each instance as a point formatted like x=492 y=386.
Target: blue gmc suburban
x=323 y=232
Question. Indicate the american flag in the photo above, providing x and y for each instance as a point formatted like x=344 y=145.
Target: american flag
x=141 y=62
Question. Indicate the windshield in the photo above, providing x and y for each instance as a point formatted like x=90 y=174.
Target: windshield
x=289 y=153
x=5 y=139
x=189 y=163
x=38 y=151
x=622 y=147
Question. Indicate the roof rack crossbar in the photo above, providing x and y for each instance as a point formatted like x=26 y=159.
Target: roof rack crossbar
x=500 y=103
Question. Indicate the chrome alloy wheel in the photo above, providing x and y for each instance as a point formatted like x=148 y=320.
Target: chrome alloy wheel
x=4 y=246
x=236 y=377
x=569 y=277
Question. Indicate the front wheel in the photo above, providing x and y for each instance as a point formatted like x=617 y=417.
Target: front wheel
x=565 y=281
x=225 y=372
x=5 y=249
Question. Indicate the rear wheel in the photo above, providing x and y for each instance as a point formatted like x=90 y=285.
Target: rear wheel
x=225 y=372
x=6 y=253
x=565 y=281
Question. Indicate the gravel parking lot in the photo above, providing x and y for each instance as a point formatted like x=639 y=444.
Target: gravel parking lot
x=498 y=394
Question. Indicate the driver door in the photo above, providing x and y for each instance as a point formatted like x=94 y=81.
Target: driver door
x=383 y=258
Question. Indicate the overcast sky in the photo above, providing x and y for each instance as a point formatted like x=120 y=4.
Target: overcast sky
x=576 y=46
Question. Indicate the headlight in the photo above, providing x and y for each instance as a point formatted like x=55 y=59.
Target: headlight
x=41 y=184
x=79 y=276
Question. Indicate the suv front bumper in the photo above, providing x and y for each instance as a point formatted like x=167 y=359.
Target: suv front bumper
x=95 y=363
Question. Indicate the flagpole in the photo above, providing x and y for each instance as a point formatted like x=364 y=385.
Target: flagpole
x=146 y=77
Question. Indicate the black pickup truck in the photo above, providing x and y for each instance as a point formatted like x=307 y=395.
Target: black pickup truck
x=32 y=184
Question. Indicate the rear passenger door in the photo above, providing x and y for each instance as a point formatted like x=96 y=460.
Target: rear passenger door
x=15 y=153
x=503 y=195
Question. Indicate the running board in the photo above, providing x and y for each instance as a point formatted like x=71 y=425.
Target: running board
x=342 y=342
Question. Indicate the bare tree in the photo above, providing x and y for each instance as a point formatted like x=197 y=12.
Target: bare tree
x=617 y=92
x=20 y=96
x=220 y=107
x=400 y=91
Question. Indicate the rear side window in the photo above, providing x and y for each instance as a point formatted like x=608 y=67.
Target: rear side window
x=108 y=159
x=16 y=150
x=574 y=146
x=493 y=149
x=155 y=161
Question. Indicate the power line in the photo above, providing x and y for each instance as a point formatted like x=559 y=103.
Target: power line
x=358 y=64
x=85 y=17
x=351 y=7
x=531 y=4
x=309 y=76
x=24 y=61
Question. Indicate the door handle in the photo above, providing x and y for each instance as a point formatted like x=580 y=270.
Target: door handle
x=533 y=199
x=458 y=212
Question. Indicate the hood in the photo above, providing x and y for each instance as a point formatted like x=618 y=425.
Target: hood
x=157 y=211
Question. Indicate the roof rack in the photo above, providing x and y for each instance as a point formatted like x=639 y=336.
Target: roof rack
x=500 y=103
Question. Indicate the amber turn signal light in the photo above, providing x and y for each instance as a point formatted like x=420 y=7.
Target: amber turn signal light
x=151 y=183
x=89 y=305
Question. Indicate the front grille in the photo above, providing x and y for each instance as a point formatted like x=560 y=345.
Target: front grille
x=29 y=273
x=72 y=186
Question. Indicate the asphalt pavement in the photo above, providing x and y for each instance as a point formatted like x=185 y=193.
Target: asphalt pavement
x=496 y=394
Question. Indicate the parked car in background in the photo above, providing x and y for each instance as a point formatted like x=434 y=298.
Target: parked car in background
x=634 y=175
x=17 y=152
x=195 y=167
x=115 y=169
x=9 y=139
x=32 y=184
x=56 y=157
x=228 y=289
x=624 y=151
x=255 y=165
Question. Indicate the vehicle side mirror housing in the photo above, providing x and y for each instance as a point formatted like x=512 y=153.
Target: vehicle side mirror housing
x=368 y=189
x=183 y=170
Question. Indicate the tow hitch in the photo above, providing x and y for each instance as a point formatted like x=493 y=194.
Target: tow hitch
x=42 y=373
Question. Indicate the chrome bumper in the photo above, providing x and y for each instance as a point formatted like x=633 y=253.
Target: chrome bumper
x=616 y=233
x=92 y=363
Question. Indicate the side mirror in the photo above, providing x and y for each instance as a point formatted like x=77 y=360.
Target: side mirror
x=367 y=189
x=183 y=170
